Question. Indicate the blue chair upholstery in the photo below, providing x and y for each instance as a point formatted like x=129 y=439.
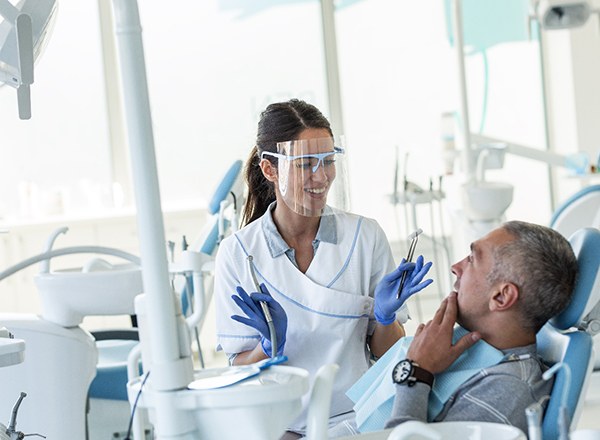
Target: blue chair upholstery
x=564 y=338
x=111 y=371
x=225 y=186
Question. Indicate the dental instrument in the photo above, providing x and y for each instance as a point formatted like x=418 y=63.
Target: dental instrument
x=11 y=432
x=265 y=310
x=224 y=377
x=414 y=237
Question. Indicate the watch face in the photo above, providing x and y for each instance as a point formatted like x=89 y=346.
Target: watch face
x=402 y=371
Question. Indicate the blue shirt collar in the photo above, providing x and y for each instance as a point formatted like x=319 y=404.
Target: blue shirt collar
x=327 y=232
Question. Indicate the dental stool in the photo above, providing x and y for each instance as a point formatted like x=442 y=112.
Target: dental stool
x=567 y=337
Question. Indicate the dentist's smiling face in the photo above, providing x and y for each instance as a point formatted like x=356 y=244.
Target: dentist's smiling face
x=309 y=179
x=472 y=285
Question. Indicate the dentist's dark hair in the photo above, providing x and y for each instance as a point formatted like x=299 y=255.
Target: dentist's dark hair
x=279 y=122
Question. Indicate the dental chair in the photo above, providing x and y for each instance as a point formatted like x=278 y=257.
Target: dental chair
x=581 y=210
x=109 y=387
x=567 y=338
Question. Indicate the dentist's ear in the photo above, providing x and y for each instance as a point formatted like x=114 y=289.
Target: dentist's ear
x=268 y=170
x=504 y=297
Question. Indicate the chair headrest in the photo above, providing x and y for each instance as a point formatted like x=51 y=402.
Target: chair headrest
x=224 y=187
x=564 y=207
x=586 y=246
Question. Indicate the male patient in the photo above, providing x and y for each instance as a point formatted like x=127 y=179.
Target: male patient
x=514 y=280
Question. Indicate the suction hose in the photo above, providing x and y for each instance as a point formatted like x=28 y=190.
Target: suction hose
x=68 y=251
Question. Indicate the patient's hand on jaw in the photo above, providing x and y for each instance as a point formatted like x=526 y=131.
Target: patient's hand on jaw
x=432 y=346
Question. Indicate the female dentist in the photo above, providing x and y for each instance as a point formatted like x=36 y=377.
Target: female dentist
x=322 y=270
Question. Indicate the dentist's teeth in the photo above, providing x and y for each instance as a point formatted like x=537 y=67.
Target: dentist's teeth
x=316 y=190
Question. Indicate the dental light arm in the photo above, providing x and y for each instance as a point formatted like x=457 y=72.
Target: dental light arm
x=8 y=11
x=24 y=56
x=24 y=30
x=576 y=162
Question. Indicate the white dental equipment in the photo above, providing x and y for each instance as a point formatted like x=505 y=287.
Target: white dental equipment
x=485 y=202
x=562 y=14
x=57 y=347
x=11 y=353
x=11 y=350
x=535 y=411
x=180 y=412
x=413 y=238
x=11 y=432
x=23 y=35
x=265 y=309
x=412 y=196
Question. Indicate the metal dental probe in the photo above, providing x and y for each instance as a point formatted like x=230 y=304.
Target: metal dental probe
x=265 y=309
x=414 y=237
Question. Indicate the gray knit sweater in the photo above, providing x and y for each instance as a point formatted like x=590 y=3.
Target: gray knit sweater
x=498 y=394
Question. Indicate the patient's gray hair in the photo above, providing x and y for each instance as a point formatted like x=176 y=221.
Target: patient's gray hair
x=541 y=263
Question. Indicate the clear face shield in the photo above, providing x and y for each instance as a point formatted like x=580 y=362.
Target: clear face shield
x=311 y=175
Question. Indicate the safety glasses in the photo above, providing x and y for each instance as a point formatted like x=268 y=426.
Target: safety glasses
x=308 y=161
x=311 y=174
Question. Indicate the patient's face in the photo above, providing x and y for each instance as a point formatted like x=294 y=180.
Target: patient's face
x=474 y=292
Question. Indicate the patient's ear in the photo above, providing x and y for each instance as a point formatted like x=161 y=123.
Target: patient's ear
x=268 y=170
x=504 y=297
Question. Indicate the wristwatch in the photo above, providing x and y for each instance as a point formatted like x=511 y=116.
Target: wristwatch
x=407 y=372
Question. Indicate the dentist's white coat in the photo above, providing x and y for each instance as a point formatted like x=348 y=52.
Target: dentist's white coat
x=329 y=308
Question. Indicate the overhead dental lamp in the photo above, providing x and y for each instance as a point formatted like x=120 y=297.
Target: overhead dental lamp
x=562 y=14
x=23 y=34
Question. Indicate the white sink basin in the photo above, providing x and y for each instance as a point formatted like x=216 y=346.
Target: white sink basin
x=456 y=430
x=258 y=408
x=485 y=201
x=69 y=295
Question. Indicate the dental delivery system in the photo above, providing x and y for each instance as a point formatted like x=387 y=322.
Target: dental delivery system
x=265 y=309
x=414 y=237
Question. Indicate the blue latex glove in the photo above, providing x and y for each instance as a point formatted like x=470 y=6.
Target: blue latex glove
x=256 y=319
x=386 y=301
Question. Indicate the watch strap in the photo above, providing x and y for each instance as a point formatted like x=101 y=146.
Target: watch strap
x=420 y=375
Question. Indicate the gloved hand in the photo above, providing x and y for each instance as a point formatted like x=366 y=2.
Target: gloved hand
x=256 y=319
x=386 y=292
